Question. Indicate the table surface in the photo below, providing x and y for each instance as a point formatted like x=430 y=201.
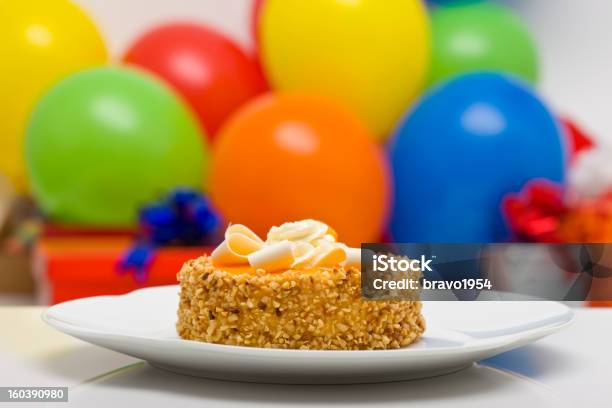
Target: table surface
x=567 y=369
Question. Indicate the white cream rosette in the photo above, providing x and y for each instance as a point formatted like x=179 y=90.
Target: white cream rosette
x=301 y=244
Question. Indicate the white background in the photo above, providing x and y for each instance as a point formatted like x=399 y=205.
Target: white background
x=573 y=37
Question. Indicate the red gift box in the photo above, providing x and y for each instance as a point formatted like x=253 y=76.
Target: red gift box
x=71 y=265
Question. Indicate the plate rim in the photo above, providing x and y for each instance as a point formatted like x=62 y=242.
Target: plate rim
x=474 y=345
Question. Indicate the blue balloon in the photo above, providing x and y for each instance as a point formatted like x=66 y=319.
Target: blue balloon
x=466 y=144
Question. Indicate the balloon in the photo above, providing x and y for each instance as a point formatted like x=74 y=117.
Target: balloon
x=480 y=37
x=466 y=144
x=577 y=139
x=104 y=142
x=42 y=41
x=370 y=55
x=210 y=71
x=293 y=156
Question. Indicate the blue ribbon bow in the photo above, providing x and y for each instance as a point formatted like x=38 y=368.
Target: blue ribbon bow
x=184 y=218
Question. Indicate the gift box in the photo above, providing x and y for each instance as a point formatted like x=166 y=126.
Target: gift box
x=15 y=256
x=541 y=214
x=15 y=274
x=74 y=265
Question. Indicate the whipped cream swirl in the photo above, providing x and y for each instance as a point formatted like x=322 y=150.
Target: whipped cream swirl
x=300 y=244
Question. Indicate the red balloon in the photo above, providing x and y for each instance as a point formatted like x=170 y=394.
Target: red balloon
x=210 y=71
x=577 y=139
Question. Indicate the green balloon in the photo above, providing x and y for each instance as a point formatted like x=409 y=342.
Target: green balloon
x=106 y=141
x=480 y=36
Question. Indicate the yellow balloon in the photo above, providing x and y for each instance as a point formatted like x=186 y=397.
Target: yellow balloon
x=371 y=55
x=41 y=41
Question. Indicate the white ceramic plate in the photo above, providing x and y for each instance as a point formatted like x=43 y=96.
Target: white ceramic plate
x=141 y=324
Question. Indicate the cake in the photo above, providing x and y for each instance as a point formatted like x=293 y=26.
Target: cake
x=299 y=289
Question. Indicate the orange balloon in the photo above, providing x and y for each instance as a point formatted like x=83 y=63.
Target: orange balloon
x=294 y=156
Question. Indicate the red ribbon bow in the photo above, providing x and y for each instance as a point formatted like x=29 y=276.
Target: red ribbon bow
x=534 y=214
